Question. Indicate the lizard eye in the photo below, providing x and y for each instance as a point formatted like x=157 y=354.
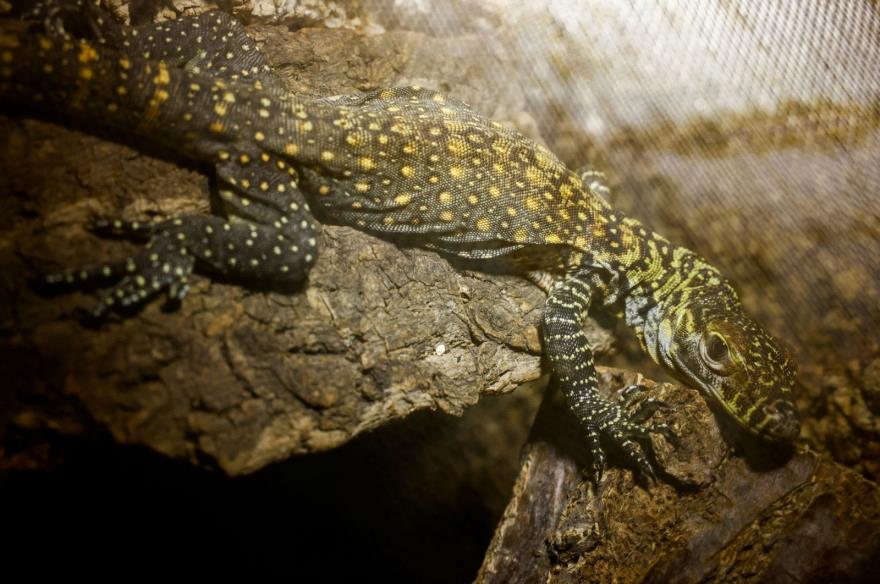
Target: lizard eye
x=716 y=353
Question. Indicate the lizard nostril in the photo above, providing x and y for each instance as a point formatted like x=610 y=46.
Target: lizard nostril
x=783 y=422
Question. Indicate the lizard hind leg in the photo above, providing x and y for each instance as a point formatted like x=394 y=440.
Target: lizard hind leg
x=162 y=264
x=241 y=249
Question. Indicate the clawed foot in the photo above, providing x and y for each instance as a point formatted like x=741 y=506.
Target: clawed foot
x=624 y=429
x=162 y=264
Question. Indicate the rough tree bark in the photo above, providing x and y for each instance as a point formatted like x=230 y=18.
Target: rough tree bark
x=768 y=516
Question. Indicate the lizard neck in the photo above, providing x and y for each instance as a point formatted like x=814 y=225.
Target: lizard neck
x=650 y=279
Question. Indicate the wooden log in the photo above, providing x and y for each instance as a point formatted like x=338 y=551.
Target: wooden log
x=760 y=515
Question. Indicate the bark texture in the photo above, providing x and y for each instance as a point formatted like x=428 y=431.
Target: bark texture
x=768 y=516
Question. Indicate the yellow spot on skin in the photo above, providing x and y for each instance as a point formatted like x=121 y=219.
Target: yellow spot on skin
x=483 y=224
x=264 y=157
x=223 y=155
x=366 y=163
x=409 y=148
x=264 y=186
x=244 y=158
x=457 y=146
x=383 y=139
x=326 y=156
x=86 y=73
x=87 y=54
x=374 y=126
x=324 y=190
x=446 y=216
x=304 y=126
x=533 y=203
x=112 y=107
x=48 y=68
x=438 y=98
x=6 y=56
x=353 y=139
x=520 y=235
x=533 y=175
x=445 y=197
x=216 y=127
x=125 y=63
x=494 y=191
x=162 y=77
x=263 y=113
x=388 y=220
x=220 y=109
x=45 y=43
x=403 y=199
x=121 y=90
x=361 y=187
x=580 y=241
x=291 y=149
x=407 y=171
x=433 y=179
x=473 y=199
x=511 y=211
x=565 y=192
x=455 y=172
x=552 y=238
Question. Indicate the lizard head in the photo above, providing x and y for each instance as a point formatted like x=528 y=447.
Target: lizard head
x=711 y=343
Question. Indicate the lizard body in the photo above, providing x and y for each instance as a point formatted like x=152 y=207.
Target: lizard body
x=408 y=164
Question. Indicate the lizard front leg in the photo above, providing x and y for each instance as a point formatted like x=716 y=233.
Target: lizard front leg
x=569 y=351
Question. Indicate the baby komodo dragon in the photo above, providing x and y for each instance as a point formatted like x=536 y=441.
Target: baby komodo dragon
x=406 y=164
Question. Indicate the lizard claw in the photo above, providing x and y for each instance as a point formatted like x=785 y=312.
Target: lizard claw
x=597 y=456
x=633 y=439
x=634 y=451
x=642 y=411
x=647 y=408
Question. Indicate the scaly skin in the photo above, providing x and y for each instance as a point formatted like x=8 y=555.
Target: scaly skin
x=407 y=164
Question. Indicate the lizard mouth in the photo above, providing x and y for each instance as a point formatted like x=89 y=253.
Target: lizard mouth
x=685 y=375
